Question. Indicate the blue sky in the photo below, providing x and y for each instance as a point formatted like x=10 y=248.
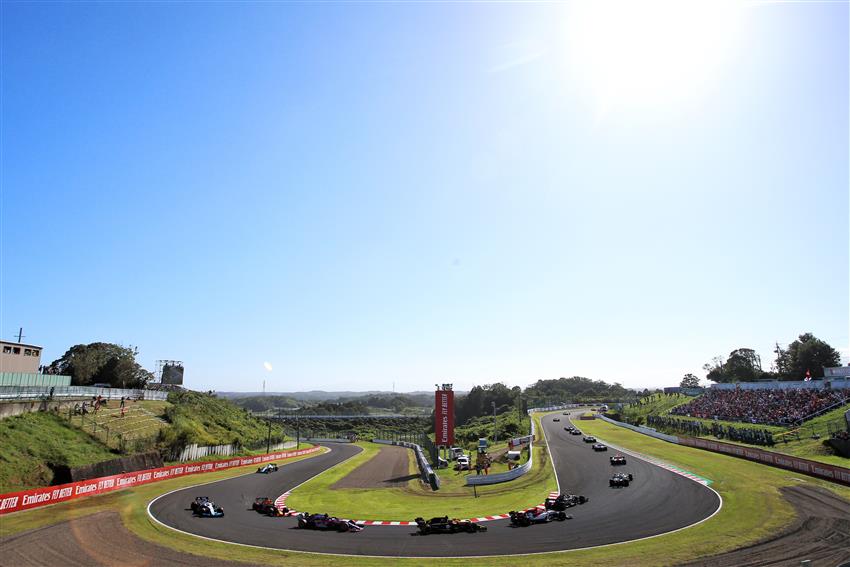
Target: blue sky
x=368 y=193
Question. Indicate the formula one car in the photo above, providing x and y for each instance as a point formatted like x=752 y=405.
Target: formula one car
x=529 y=517
x=325 y=522
x=444 y=525
x=621 y=480
x=564 y=501
x=570 y=428
x=265 y=505
x=198 y=502
x=576 y=431
x=599 y=447
x=617 y=460
x=556 y=419
x=209 y=510
x=589 y=439
x=269 y=468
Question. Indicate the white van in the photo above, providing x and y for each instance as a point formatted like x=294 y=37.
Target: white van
x=462 y=463
x=455 y=452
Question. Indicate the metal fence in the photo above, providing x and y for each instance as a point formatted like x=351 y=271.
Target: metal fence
x=11 y=393
x=33 y=379
x=478 y=480
x=425 y=469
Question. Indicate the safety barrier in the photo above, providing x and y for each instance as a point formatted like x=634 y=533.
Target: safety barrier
x=328 y=440
x=34 y=498
x=428 y=474
x=824 y=471
x=478 y=480
x=833 y=473
x=40 y=392
x=640 y=429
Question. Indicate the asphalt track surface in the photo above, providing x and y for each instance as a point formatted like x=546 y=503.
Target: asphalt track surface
x=657 y=502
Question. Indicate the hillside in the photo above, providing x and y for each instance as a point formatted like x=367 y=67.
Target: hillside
x=32 y=442
x=205 y=419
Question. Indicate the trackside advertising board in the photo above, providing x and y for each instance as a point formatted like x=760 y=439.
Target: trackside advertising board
x=444 y=418
x=805 y=466
x=28 y=499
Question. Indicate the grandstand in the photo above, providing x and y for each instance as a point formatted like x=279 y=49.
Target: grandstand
x=769 y=406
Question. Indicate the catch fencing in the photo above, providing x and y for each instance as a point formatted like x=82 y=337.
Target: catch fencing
x=194 y=452
x=478 y=480
x=12 y=393
x=425 y=470
x=37 y=497
x=833 y=383
x=640 y=429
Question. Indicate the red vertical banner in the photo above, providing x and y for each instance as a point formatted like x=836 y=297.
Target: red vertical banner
x=444 y=418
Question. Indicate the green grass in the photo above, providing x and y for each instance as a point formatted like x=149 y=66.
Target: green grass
x=416 y=499
x=752 y=509
x=32 y=441
x=806 y=447
x=656 y=404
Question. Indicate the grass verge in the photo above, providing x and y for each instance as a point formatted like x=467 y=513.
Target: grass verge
x=752 y=509
x=415 y=499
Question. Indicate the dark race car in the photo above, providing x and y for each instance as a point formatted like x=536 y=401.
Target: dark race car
x=617 y=460
x=576 y=431
x=265 y=505
x=620 y=480
x=262 y=504
x=269 y=468
x=589 y=439
x=557 y=419
x=599 y=447
x=564 y=501
x=570 y=428
x=209 y=509
x=443 y=525
x=529 y=517
x=326 y=523
x=198 y=502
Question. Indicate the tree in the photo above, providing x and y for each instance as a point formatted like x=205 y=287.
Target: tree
x=102 y=363
x=807 y=353
x=743 y=365
x=689 y=381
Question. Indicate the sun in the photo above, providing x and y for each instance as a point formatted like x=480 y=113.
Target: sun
x=645 y=53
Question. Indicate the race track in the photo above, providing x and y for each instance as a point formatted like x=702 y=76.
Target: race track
x=657 y=502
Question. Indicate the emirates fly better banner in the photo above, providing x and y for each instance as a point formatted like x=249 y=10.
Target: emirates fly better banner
x=36 y=497
x=444 y=418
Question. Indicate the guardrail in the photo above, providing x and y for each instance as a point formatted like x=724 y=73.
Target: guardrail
x=328 y=440
x=640 y=429
x=428 y=474
x=824 y=471
x=478 y=480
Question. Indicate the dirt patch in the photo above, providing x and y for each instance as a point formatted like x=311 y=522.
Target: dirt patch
x=390 y=467
x=99 y=539
x=820 y=533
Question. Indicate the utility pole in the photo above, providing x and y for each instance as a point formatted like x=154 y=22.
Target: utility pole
x=20 y=334
x=495 y=431
x=269 y=438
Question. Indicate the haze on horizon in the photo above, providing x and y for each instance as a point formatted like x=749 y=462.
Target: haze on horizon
x=343 y=196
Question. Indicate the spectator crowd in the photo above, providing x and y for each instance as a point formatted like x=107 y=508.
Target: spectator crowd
x=698 y=429
x=774 y=407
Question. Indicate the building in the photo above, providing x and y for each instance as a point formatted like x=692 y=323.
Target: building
x=19 y=357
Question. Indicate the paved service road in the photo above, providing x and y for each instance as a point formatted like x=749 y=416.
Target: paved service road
x=658 y=501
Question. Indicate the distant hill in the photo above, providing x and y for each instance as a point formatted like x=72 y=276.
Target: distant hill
x=322 y=396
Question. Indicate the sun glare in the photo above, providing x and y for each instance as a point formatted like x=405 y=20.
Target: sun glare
x=639 y=54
